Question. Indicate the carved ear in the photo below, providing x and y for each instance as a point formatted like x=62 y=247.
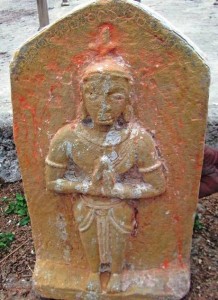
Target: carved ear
x=128 y=113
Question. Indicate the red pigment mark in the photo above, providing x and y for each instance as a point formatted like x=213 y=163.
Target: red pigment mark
x=52 y=66
x=53 y=87
x=176 y=218
x=198 y=159
x=39 y=78
x=165 y=264
x=78 y=60
x=171 y=54
x=26 y=106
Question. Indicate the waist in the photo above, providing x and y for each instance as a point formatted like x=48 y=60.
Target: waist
x=100 y=202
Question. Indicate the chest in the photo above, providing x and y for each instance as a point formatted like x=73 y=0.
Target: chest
x=120 y=157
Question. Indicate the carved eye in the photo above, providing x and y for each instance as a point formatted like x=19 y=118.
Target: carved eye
x=117 y=97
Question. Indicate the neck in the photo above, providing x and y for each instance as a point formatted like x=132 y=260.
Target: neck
x=102 y=128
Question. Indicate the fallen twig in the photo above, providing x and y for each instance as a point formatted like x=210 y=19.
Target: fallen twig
x=6 y=257
x=29 y=268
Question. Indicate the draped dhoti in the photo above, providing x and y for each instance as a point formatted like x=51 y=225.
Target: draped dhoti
x=108 y=214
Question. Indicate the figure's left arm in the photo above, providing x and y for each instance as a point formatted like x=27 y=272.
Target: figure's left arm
x=150 y=166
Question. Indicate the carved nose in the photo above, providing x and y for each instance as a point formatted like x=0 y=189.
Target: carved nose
x=108 y=108
x=105 y=106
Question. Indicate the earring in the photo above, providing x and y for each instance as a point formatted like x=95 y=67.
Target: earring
x=128 y=113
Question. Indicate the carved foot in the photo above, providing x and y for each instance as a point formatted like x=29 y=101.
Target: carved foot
x=93 y=284
x=114 y=284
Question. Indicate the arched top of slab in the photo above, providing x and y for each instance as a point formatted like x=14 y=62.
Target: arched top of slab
x=145 y=18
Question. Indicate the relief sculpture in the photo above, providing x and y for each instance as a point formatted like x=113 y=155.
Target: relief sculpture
x=107 y=161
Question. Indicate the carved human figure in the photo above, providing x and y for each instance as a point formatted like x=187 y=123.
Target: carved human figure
x=106 y=160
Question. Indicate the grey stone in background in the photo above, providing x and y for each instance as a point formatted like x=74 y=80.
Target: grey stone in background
x=212 y=128
x=9 y=167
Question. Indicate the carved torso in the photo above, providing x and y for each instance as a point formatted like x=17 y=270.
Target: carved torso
x=126 y=150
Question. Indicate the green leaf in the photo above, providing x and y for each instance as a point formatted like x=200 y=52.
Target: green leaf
x=19 y=197
x=11 y=208
x=197 y=223
x=21 y=212
x=19 y=208
x=24 y=221
x=6 y=239
x=10 y=236
x=3 y=245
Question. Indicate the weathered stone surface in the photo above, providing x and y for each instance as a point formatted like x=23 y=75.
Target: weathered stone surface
x=169 y=96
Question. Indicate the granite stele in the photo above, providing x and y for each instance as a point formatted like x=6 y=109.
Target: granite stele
x=110 y=108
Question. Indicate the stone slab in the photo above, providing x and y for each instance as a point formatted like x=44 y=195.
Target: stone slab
x=171 y=91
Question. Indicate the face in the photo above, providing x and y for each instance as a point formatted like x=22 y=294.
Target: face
x=105 y=97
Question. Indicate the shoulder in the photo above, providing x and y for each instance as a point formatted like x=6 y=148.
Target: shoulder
x=145 y=147
x=142 y=138
x=63 y=133
x=60 y=148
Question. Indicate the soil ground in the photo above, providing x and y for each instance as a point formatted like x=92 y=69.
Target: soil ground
x=17 y=263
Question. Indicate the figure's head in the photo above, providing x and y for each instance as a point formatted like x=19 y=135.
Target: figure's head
x=105 y=91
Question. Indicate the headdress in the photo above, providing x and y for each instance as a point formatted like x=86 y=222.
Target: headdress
x=106 y=59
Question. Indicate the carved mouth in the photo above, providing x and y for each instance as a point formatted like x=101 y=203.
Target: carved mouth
x=105 y=122
x=106 y=118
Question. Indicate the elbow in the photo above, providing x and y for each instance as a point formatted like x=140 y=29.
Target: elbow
x=50 y=185
x=161 y=187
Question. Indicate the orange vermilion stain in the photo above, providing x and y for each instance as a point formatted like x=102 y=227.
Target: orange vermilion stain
x=165 y=264
x=176 y=218
x=52 y=66
x=26 y=106
x=52 y=88
x=39 y=78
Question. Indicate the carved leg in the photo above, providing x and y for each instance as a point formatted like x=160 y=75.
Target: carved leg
x=90 y=244
x=120 y=228
x=85 y=218
x=118 y=245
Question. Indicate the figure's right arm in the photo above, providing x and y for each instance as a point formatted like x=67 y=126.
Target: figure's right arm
x=56 y=164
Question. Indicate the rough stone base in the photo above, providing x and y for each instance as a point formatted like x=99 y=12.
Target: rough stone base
x=59 y=281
